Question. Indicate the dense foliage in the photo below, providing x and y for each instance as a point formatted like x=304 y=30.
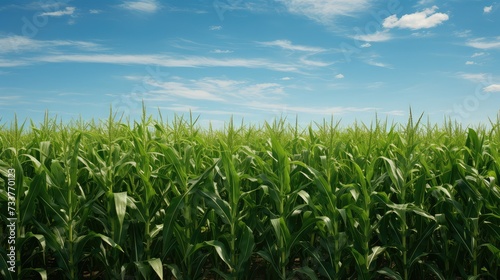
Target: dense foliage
x=154 y=199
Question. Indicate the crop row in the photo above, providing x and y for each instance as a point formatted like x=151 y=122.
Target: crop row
x=165 y=200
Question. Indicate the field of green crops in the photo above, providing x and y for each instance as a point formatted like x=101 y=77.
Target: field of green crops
x=158 y=199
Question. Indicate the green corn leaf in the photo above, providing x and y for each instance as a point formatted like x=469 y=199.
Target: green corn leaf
x=157 y=267
x=419 y=246
x=109 y=241
x=434 y=270
x=246 y=245
x=120 y=202
x=390 y=273
x=221 y=251
x=281 y=230
x=176 y=272
x=28 y=204
x=220 y=206
x=360 y=263
x=377 y=250
x=307 y=224
x=144 y=269
x=494 y=250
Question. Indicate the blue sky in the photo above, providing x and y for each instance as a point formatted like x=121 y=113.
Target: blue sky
x=253 y=60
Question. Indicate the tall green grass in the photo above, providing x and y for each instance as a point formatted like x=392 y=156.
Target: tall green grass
x=154 y=199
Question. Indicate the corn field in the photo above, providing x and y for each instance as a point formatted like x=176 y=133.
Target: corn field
x=155 y=199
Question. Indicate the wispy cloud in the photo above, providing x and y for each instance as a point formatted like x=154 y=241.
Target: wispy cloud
x=66 y=12
x=144 y=6
x=492 y=88
x=487 y=9
x=324 y=111
x=287 y=45
x=314 y=63
x=398 y=113
x=378 y=64
x=236 y=92
x=73 y=94
x=339 y=76
x=478 y=54
x=425 y=2
x=93 y=11
x=366 y=45
x=375 y=85
x=484 y=43
x=167 y=61
x=325 y=11
x=21 y=43
x=379 y=36
x=221 y=51
x=427 y=18
x=12 y=63
x=215 y=27
x=176 y=89
x=463 y=34
x=184 y=108
x=474 y=77
x=423 y=34
x=10 y=97
x=468 y=62
x=175 y=9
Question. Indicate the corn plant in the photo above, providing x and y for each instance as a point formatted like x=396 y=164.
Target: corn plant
x=155 y=199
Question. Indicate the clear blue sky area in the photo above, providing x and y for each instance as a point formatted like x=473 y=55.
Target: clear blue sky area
x=253 y=60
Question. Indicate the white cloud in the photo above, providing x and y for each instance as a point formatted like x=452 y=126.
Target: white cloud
x=324 y=11
x=181 y=108
x=286 y=79
x=176 y=89
x=339 y=76
x=281 y=107
x=261 y=90
x=95 y=11
x=425 y=2
x=198 y=110
x=21 y=43
x=167 y=61
x=10 y=97
x=394 y=113
x=427 y=18
x=378 y=64
x=463 y=34
x=220 y=51
x=379 y=36
x=366 y=45
x=145 y=6
x=314 y=63
x=487 y=9
x=474 y=77
x=66 y=12
x=492 y=88
x=375 y=85
x=423 y=34
x=215 y=27
x=287 y=45
x=15 y=44
x=478 y=54
x=212 y=89
x=469 y=62
x=484 y=44
x=12 y=63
